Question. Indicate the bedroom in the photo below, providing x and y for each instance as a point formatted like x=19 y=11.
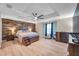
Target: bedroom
x=37 y=29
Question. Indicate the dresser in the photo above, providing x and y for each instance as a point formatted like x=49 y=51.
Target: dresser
x=62 y=37
x=73 y=49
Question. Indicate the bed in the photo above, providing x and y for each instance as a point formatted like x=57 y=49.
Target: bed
x=26 y=37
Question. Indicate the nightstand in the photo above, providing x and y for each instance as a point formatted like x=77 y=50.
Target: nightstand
x=10 y=37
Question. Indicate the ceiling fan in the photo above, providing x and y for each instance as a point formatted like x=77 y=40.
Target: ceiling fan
x=36 y=16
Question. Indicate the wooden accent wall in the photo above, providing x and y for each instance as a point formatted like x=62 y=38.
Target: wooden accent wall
x=18 y=24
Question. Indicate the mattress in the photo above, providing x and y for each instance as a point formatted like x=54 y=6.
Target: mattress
x=20 y=35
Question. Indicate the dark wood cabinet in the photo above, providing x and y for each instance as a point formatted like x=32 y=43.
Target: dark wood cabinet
x=62 y=37
x=73 y=49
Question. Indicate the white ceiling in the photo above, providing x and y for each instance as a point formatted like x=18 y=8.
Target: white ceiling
x=24 y=10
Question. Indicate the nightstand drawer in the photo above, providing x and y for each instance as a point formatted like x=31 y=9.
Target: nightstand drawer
x=10 y=37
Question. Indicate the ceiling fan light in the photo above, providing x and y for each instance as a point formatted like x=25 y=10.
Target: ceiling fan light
x=35 y=18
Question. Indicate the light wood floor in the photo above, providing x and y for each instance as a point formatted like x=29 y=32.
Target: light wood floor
x=43 y=47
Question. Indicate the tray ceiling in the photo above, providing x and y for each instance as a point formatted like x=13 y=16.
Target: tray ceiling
x=24 y=10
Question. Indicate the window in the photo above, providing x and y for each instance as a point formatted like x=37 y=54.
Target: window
x=48 y=29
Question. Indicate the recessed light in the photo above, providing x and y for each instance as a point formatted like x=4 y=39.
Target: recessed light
x=9 y=5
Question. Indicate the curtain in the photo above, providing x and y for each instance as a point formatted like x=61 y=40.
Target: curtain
x=51 y=30
x=45 y=29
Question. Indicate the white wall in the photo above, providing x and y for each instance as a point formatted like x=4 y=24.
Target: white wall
x=40 y=29
x=0 y=31
x=65 y=25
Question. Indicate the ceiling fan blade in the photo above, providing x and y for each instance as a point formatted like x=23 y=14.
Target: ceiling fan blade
x=40 y=16
x=33 y=14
